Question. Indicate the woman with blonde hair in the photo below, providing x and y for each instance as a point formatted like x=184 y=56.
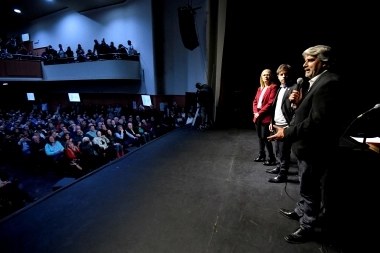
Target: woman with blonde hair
x=262 y=115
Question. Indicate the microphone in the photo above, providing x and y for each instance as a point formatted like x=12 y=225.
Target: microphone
x=298 y=87
x=375 y=107
x=299 y=83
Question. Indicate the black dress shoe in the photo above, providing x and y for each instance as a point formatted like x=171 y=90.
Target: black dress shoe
x=275 y=170
x=289 y=214
x=299 y=236
x=280 y=178
x=260 y=159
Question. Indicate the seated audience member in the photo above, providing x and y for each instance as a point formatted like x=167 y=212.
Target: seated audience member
x=55 y=153
x=77 y=139
x=81 y=55
x=167 y=123
x=112 y=48
x=91 y=133
x=117 y=110
x=190 y=118
x=55 y=135
x=70 y=54
x=40 y=131
x=126 y=140
x=103 y=128
x=25 y=146
x=65 y=137
x=132 y=132
x=22 y=50
x=90 y=156
x=51 y=54
x=142 y=132
x=156 y=126
x=37 y=151
x=91 y=56
x=54 y=149
x=104 y=148
x=183 y=113
x=113 y=126
x=99 y=126
x=117 y=146
x=148 y=128
x=122 y=50
x=179 y=121
x=73 y=155
x=61 y=54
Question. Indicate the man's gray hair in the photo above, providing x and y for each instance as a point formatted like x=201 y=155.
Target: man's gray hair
x=322 y=52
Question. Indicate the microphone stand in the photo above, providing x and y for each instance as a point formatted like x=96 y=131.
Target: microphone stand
x=364 y=133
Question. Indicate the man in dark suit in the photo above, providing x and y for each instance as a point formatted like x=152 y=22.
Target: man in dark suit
x=314 y=137
x=282 y=115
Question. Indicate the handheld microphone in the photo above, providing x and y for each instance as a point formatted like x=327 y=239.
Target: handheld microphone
x=298 y=87
x=375 y=107
x=299 y=83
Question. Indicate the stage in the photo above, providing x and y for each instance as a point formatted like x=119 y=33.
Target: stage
x=189 y=191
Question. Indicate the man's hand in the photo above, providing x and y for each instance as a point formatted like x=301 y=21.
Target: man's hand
x=296 y=96
x=278 y=136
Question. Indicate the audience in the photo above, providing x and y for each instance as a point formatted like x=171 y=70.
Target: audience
x=13 y=49
x=54 y=140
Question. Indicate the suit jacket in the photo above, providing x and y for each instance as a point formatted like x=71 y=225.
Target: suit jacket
x=265 y=113
x=313 y=130
x=286 y=106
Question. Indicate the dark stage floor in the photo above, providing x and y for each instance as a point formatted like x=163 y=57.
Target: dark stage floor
x=187 y=192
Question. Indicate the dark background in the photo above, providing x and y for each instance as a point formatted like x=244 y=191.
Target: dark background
x=266 y=35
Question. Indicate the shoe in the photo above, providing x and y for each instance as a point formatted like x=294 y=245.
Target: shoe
x=299 y=236
x=280 y=178
x=275 y=170
x=270 y=162
x=289 y=214
x=260 y=158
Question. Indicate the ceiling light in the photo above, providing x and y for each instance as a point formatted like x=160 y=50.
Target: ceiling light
x=5 y=83
x=17 y=10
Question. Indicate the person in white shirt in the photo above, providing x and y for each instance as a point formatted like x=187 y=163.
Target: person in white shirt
x=282 y=115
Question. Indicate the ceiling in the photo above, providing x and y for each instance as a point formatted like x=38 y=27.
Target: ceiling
x=34 y=9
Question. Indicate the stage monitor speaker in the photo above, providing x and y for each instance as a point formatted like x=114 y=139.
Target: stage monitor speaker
x=187 y=27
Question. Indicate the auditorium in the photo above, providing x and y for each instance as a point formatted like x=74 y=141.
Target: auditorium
x=101 y=145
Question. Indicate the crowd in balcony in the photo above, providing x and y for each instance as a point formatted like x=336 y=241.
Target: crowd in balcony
x=101 y=51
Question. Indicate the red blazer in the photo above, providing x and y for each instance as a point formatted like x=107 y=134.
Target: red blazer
x=265 y=113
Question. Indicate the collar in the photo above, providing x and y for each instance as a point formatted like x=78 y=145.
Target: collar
x=312 y=80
